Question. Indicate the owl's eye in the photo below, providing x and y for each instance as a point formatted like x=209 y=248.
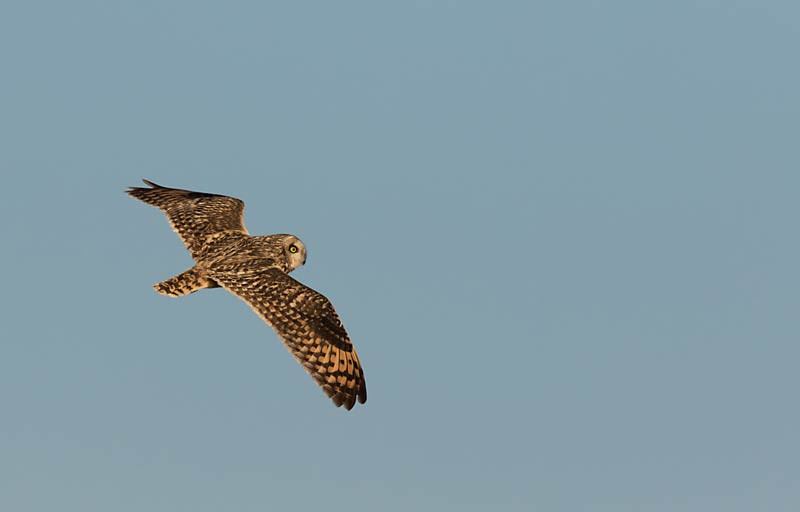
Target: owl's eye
x=292 y=248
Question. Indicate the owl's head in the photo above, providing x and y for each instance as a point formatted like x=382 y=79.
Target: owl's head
x=295 y=252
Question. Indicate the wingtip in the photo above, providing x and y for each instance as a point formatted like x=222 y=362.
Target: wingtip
x=348 y=400
x=341 y=398
x=138 y=190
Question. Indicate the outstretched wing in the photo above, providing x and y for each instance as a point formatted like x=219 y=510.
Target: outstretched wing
x=309 y=326
x=194 y=215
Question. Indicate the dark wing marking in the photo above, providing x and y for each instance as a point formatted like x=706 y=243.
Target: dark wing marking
x=309 y=327
x=194 y=215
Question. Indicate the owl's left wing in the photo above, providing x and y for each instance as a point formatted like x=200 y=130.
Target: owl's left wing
x=308 y=325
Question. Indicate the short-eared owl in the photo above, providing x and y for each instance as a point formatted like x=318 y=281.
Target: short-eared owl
x=255 y=269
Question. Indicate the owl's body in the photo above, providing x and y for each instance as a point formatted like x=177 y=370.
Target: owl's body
x=255 y=269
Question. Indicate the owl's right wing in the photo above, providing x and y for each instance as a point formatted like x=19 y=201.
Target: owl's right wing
x=194 y=215
x=308 y=325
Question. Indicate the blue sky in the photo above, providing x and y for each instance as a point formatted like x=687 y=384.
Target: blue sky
x=563 y=237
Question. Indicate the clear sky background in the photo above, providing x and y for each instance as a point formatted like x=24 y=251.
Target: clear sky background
x=562 y=235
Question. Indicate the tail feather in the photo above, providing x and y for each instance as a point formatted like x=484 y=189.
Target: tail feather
x=184 y=283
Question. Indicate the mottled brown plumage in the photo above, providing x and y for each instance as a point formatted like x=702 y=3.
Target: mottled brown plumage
x=255 y=268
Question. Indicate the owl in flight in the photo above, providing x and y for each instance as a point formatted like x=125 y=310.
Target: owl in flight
x=256 y=269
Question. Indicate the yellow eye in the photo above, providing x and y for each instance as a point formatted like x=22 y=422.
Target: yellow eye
x=292 y=248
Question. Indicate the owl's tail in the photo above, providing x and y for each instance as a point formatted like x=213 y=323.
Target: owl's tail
x=185 y=283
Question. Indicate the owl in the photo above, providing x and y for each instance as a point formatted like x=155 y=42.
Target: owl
x=256 y=269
